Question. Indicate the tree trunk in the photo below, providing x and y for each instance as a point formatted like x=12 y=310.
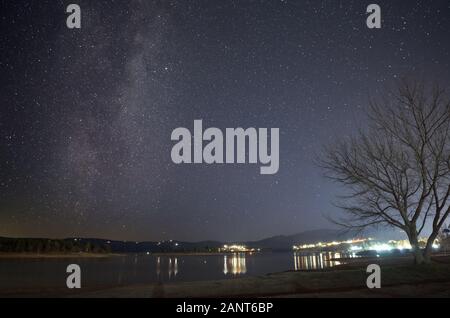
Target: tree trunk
x=418 y=255
x=427 y=255
x=417 y=252
x=429 y=247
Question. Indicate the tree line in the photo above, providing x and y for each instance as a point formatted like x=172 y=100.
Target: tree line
x=32 y=245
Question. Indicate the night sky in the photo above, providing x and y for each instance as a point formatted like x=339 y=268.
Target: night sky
x=86 y=115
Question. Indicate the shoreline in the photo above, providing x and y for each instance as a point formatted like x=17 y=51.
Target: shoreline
x=105 y=255
x=171 y=254
x=200 y=253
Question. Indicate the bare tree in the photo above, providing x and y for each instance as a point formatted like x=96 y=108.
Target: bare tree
x=397 y=171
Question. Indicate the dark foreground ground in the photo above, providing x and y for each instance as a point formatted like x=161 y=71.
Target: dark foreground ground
x=398 y=279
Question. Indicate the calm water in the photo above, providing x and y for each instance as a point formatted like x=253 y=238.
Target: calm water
x=141 y=269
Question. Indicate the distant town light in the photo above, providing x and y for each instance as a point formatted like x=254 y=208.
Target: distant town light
x=236 y=248
x=329 y=244
x=366 y=244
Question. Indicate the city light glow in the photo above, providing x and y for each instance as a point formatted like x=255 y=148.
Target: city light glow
x=236 y=248
x=365 y=244
x=329 y=244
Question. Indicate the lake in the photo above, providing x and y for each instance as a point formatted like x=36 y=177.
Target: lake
x=142 y=269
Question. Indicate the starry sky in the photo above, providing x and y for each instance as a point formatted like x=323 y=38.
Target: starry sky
x=86 y=115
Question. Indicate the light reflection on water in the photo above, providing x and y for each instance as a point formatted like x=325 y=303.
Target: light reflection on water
x=317 y=261
x=171 y=267
x=236 y=264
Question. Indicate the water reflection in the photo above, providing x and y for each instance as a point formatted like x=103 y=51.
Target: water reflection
x=317 y=261
x=234 y=264
x=169 y=265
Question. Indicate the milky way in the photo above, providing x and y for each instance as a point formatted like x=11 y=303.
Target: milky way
x=86 y=115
